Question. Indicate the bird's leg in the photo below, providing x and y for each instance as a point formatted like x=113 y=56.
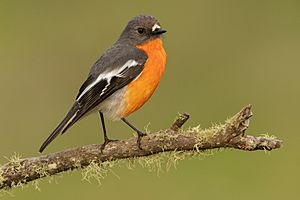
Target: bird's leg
x=106 y=140
x=140 y=133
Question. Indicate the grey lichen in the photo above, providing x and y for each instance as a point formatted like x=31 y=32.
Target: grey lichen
x=2 y=179
x=15 y=161
x=157 y=163
x=42 y=171
x=96 y=171
x=268 y=136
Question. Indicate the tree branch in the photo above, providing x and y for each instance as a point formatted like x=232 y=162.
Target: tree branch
x=229 y=135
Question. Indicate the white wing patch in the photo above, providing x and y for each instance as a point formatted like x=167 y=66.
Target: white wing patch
x=156 y=26
x=70 y=120
x=108 y=76
x=105 y=88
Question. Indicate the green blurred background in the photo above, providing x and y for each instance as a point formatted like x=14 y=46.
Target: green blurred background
x=222 y=55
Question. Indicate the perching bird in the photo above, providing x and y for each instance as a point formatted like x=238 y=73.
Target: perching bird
x=122 y=79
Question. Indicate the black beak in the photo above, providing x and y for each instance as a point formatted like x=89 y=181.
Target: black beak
x=158 y=31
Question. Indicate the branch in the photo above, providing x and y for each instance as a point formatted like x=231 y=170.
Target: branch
x=229 y=135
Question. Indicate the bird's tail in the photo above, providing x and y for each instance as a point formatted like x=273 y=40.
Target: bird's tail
x=65 y=123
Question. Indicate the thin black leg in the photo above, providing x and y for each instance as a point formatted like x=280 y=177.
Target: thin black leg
x=140 y=133
x=103 y=125
x=106 y=140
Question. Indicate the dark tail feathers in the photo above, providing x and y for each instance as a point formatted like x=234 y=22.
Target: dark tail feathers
x=65 y=122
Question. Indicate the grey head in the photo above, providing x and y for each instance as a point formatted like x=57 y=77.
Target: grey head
x=141 y=29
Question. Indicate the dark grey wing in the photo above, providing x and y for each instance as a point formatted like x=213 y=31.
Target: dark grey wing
x=88 y=81
x=102 y=90
x=115 y=69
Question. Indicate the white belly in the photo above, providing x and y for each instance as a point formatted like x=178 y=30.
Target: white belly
x=113 y=105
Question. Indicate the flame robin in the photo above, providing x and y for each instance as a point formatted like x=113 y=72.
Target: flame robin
x=122 y=79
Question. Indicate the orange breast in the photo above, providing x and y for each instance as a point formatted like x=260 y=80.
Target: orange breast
x=141 y=89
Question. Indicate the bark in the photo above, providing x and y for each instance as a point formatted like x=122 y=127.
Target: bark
x=229 y=135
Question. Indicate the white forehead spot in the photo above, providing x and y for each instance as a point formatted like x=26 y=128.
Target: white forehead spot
x=156 y=26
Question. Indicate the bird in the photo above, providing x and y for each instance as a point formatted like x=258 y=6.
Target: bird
x=122 y=79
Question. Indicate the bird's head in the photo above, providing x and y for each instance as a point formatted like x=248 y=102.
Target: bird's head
x=142 y=28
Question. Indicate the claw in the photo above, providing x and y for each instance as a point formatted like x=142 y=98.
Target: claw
x=106 y=141
x=140 y=135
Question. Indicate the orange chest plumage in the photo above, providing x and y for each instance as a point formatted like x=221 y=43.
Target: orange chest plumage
x=142 y=88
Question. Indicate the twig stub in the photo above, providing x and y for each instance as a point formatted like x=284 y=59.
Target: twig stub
x=180 y=120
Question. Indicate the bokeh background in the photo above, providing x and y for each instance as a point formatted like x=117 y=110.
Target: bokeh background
x=222 y=55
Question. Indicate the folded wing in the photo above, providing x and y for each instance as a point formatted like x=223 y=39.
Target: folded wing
x=104 y=86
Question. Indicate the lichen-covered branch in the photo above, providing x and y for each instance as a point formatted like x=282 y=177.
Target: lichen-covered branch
x=229 y=135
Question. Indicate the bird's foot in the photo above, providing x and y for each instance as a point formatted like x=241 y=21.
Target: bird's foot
x=139 y=137
x=106 y=141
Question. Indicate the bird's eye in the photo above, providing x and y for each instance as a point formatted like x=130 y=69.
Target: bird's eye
x=141 y=30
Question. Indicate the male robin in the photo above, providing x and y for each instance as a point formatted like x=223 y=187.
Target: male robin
x=122 y=79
